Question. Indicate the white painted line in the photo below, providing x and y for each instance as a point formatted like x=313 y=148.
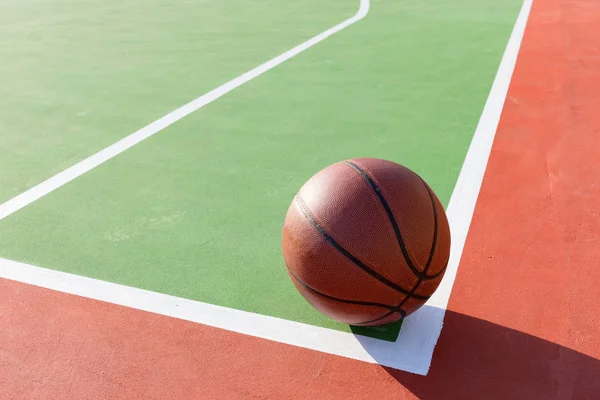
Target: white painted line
x=464 y=197
x=401 y=355
x=64 y=177
x=412 y=351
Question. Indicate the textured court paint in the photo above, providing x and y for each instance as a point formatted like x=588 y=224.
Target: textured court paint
x=196 y=212
x=411 y=352
x=530 y=264
x=537 y=224
x=61 y=346
x=78 y=75
x=86 y=165
x=119 y=352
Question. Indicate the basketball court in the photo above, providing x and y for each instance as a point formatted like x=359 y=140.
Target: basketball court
x=150 y=151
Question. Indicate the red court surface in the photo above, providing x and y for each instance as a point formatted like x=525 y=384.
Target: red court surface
x=523 y=318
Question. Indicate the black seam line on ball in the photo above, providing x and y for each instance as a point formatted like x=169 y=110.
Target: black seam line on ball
x=431 y=252
x=435 y=228
x=435 y=235
x=392 y=220
x=347 y=254
x=357 y=302
x=398 y=308
x=412 y=294
x=390 y=216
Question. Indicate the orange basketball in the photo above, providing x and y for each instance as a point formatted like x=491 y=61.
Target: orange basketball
x=366 y=241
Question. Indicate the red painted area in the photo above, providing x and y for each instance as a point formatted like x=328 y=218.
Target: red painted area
x=532 y=257
x=524 y=317
x=530 y=266
x=59 y=346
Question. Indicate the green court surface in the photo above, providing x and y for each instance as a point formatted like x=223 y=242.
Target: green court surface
x=196 y=211
x=77 y=75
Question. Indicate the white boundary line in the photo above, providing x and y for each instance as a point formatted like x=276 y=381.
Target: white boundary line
x=60 y=179
x=412 y=351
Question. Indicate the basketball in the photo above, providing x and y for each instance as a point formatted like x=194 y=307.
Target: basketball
x=366 y=241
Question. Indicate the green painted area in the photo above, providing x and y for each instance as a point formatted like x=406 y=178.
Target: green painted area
x=196 y=211
x=77 y=75
x=387 y=332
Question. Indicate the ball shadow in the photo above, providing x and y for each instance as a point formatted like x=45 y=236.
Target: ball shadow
x=477 y=359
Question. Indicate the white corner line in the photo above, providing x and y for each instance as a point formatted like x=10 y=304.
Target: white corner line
x=414 y=347
x=464 y=197
x=29 y=196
